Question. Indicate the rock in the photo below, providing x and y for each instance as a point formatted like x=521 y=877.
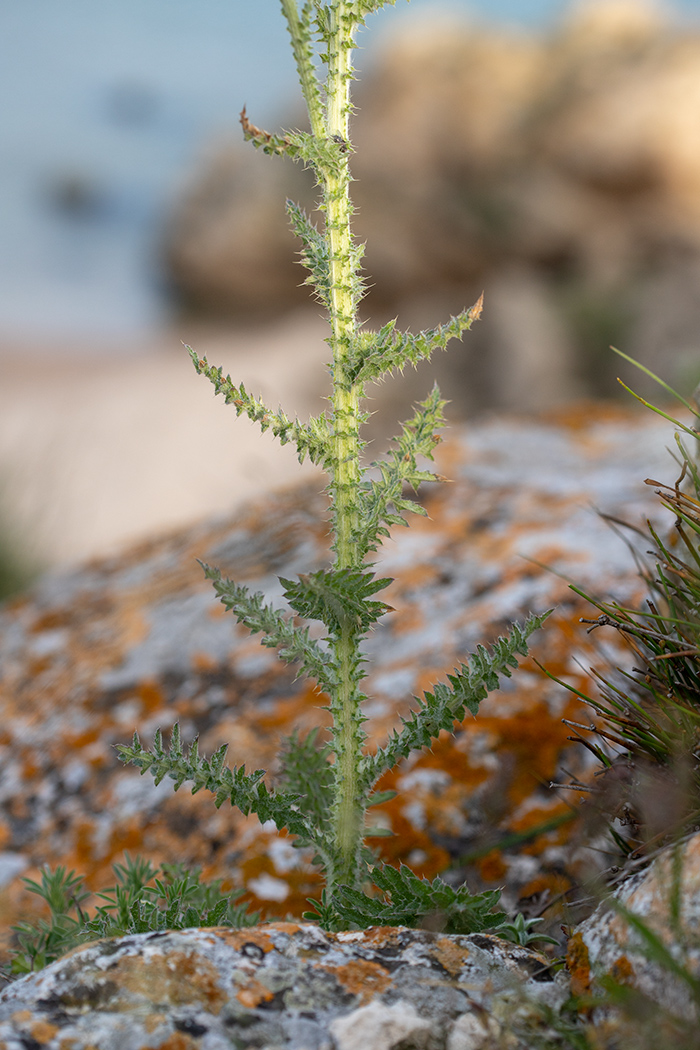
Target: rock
x=570 y=158
x=275 y=986
x=473 y=1032
x=665 y=895
x=382 y=1027
x=138 y=641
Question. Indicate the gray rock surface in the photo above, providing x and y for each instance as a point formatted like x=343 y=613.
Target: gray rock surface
x=666 y=896
x=278 y=986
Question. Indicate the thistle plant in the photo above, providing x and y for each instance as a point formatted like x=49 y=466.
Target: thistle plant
x=327 y=788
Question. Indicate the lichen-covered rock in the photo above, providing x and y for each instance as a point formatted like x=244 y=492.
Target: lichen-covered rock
x=138 y=641
x=276 y=986
x=666 y=897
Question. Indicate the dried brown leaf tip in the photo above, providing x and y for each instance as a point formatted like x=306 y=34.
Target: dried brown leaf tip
x=475 y=311
x=259 y=137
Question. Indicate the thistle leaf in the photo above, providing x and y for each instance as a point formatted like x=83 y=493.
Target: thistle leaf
x=244 y=790
x=379 y=353
x=273 y=144
x=307 y=772
x=399 y=468
x=339 y=598
x=408 y=900
x=298 y=145
x=301 y=32
x=361 y=8
x=448 y=703
x=314 y=253
x=312 y=439
x=294 y=643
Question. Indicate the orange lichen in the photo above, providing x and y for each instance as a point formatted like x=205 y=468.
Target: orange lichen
x=450 y=955
x=255 y=935
x=360 y=977
x=492 y=868
x=385 y=935
x=78 y=741
x=21 y=1016
x=578 y=964
x=179 y=978
x=406 y=837
x=410 y=619
x=39 y=665
x=42 y=1031
x=153 y=1021
x=253 y=993
x=302 y=882
x=302 y=710
x=553 y=883
x=203 y=662
x=151 y=696
x=541 y=816
x=178 y=1041
x=284 y=927
x=622 y=971
x=577 y=415
x=535 y=739
x=30 y=765
x=51 y=620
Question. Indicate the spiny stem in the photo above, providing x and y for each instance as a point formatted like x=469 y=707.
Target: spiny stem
x=348 y=812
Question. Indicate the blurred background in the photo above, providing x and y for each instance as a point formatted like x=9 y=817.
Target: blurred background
x=545 y=152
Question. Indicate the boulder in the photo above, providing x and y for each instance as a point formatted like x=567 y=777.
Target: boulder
x=138 y=641
x=568 y=160
x=665 y=896
x=278 y=986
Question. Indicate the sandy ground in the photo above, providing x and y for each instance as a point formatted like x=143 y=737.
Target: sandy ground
x=98 y=449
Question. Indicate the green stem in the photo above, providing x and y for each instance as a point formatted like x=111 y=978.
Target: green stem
x=348 y=806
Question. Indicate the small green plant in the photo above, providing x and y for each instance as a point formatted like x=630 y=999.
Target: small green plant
x=144 y=899
x=326 y=790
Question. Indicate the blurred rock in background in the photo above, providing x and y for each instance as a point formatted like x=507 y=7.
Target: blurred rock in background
x=560 y=173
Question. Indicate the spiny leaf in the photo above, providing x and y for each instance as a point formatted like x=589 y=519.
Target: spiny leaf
x=307 y=772
x=467 y=687
x=320 y=153
x=312 y=439
x=377 y=354
x=294 y=643
x=409 y=900
x=361 y=8
x=244 y=790
x=270 y=143
x=314 y=254
x=339 y=598
x=300 y=30
x=397 y=469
